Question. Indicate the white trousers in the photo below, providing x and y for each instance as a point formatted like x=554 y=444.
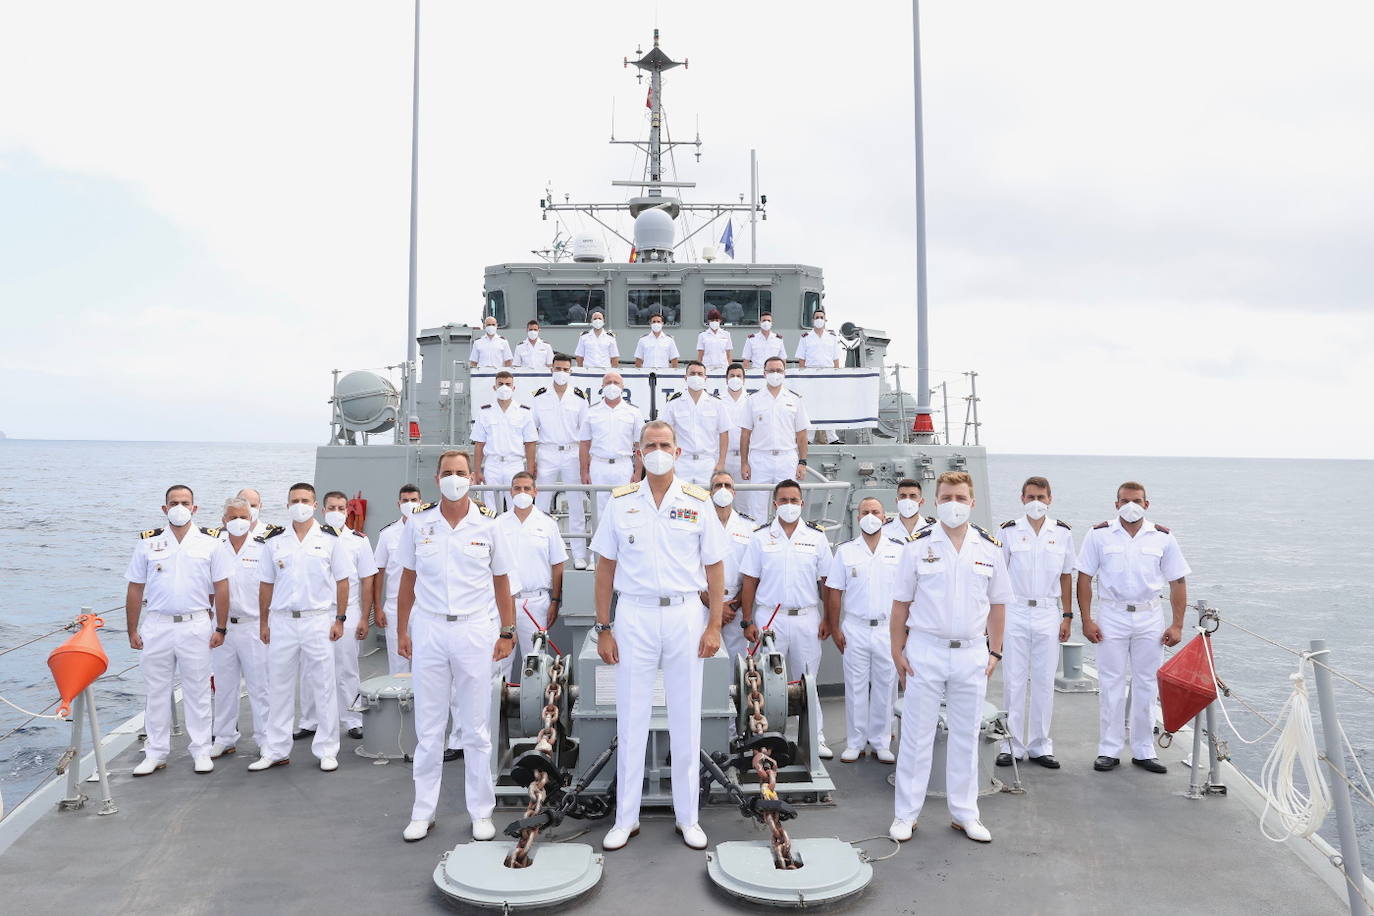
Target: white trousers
x=395 y=664
x=696 y=470
x=604 y=472
x=1130 y=640
x=798 y=639
x=1030 y=655
x=299 y=648
x=497 y=470
x=452 y=658
x=870 y=683
x=346 y=679
x=557 y=467
x=525 y=628
x=959 y=677
x=176 y=648
x=649 y=639
x=242 y=657
x=731 y=634
x=765 y=467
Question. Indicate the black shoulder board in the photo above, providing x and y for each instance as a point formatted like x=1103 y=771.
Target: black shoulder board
x=1009 y=523
x=428 y=506
x=390 y=523
x=715 y=395
x=582 y=393
x=924 y=532
x=150 y=533
x=986 y=534
x=525 y=406
x=539 y=391
x=1161 y=528
x=897 y=540
x=751 y=334
x=1101 y=525
x=1063 y=524
x=272 y=531
x=675 y=395
x=485 y=406
x=761 y=527
x=815 y=525
x=214 y=532
x=743 y=516
x=330 y=529
x=793 y=393
x=930 y=519
x=612 y=333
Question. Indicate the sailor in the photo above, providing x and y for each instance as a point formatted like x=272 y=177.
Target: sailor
x=456 y=620
x=305 y=571
x=242 y=657
x=558 y=413
x=538 y=552
x=1132 y=559
x=659 y=548
x=597 y=349
x=739 y=531
x=361 y=586
x=861 y=578
x=700 y=421
x=715 y=349
x=656 y=350
x=608 y=436
x=772 y=439
x=948 y=610
x=503 y=436
x=819 y=349
x=387 y=585
x=758 y=347
x=173 y=572
x=1039 y=554
x=735 y=400
x=533 y=353
x=255 y=509
x=909 y=521
x=784 y=569
x=491 y=350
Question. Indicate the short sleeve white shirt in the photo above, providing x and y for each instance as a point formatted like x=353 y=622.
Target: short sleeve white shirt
x=866 y=576
x=304 y=571
x=490 y=352
x=697 y=424
x=504 y=432
x=535 y=545
x=739 y=531
x=596 y=349
x=895 y=529
x=1131 y=569
x=951 y=591
x=385 y=559
x=454 y=565
x=244 y=577
x=1035 y=561
x=660 y=550
x=788 y=569
x=558 y=420
x=178 y=576
x=774 y=421
x=612 y=431
x=364 y=564
x=714 y=345
x=656 y=351
x=759 y=347
x=537 y=355
x=819 y=352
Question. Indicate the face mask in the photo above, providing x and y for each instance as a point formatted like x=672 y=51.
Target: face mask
x=238 y=527
x=818 y=324
x=560 y=378
x=774 y=379
x=532 y=335
x=454 y=487
x=953 y=514
x=300 y=512
x=789 y=512
x=598 y=323
x=723 y=497
x=870 y=524
x=656 y=327
x=1131 y=512
x=766 y=325
x=658 y=462
x=522 y=500
x=714 y=325
x=491 y=330
x=504 y=392
x=611 y=392
x=1036 y=510
x=735 y=383
x=336 y=520
x=410 y=508
x=695 y=382
x=253 y=511
x=906 y=508
x=178 y=515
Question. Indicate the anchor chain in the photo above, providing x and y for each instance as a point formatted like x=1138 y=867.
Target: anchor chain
x=766 y=767
x=545 y=742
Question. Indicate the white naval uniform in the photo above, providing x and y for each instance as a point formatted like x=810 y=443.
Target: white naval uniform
x=789 y=570
x=739 y=531
x=243 y=655
x=536 y=547
x=758 y=348
x=304 y=574
x=597 y=349
x=490 y=352
x=656 y=351
x=1130 y=573
x=773 y=423
x=895 y=529
x=819 y=352
x=613 y=433
x=735 y=410
x=389 y=564
x=866 y=578
x=178 y=579
x=453 y=630
x=1030 y=648
x=346 y=675
x=698 y=425
x=558 y=424
x=660 y=552
x=503 y=434
x=714 y=345
x=951 y=592
x=536 y=355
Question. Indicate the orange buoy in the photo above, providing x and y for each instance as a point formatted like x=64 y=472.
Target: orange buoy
x=78 y=662
x=1186 y=687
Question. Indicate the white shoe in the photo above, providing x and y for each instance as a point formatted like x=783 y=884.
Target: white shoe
x=416 y=831
x=266 y=763
x=204 y=764
x=693 y=836
x=901 y=830
x=850 y=754
x=329 y=764
x=579 y=564
x=148 y=765
x=974 y=830
x=483 y=829
x=218 y=750
x=885 y=756
x=618 y=837
x=824 y=751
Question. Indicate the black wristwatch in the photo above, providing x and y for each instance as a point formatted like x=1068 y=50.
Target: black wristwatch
x=556 y=600
x=745 y=624
x=996 y=655
x=802 y=462
x=602 y=628
x=223 y=631
x=340 y=618
x=1067 y=615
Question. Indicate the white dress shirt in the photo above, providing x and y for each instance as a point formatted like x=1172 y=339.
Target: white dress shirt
x=713 y=346
x=597 y=348
x=178 y=576
x=866 y=576
x=304 y=571
x=819 y=351
x=697 y=423
x=454 y=565
x=504 y=432
x=657 y=351
x=558 y=420
x=660 y=550
x=763 y=346
x=1131 y=569
x=951 y=591
x=244 y=576
x=490 y=352
x=1035 y=561
x=612 y=431
x=788 y=569
x=536 y=355
x=774 y=421
x=535 y=546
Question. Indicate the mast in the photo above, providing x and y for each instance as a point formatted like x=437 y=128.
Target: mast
x=923 y=427
x=412 y=329
x=655 y=118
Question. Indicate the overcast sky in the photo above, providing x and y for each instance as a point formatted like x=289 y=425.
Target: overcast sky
x=1151 y=228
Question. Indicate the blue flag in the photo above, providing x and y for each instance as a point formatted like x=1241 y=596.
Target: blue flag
x=727 y=238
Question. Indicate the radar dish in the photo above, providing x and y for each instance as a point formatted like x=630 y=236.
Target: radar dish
x=587 y=249
x=654 y=232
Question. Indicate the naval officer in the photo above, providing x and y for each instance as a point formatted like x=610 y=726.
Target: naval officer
x=819 y=349
x=387 y=585
x=659 y=548
x=700 y=422
x=608 y=435
x=861 y=579
x=739 y=531
x=504 y=437
x=538 y=552
x=254 y=511
x=597 y=349
x=242 y=657
x=1132 y=559
x=533 y=353
x=948 y=610
x=175 y=570
x=456 y=622
x=1039 y=553
x=491 y=350
x=715 y=349
x=759 y=347
x=656 y=350
x=772 y=439
x=908 y=521
x=558 y=413
x=305 y=572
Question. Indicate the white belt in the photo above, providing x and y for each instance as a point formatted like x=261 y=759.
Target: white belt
x=243 y=618
x=1036 y=602
x=183 y=618
x=945 y=643
x=774 y=452
x=786 y=612
x=610 y=460
x=866 y=621
x=303 y=613
x=454 y=618
x=555 y=446
x=698 y=457
x=658 y=600
x=1132 y=608
x=531 y=592
x=507 y=459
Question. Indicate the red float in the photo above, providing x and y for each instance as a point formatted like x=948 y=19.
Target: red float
x=1186 y=686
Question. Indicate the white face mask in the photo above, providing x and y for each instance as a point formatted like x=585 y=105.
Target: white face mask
x=656 y=327
x=789 y=512
x=953 y=514
x=1036 y=510
x=774 y=379
x=818 y=324
x=713 y=325
x=598 y=323
x=300 y=512
x=504 y=392
x=454 y=487
x=178 y=515
x=522 y=500
x=410 y=508
x=238 y=527
x=254 y=511
x=1131 y=512
x=870 y=524
x=766 y=325
x=532 y=335
x=560 y=378
x=491 y=330
x=658 y=462
x=906 y=508
x=734 y=383
x=695 y=382
x=611 y=392
x=336 y=520
x=723 y=497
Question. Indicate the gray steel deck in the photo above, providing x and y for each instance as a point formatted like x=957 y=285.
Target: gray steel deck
x=297 y=840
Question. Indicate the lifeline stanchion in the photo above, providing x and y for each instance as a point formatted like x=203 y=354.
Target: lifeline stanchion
x=71 y=759
x=1335 y=756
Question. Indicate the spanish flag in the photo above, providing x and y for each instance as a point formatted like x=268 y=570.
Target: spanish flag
x=634 y=254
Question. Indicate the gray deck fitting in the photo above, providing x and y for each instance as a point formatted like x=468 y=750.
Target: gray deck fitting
x=831 y=870
x=476 y=874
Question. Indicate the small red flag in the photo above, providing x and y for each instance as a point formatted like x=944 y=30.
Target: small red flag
x=649 y=99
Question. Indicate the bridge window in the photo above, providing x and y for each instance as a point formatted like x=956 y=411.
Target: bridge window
x=565 y=306
x=644 y=304
x=737 y=306
x=811 y=300
x=496 y=307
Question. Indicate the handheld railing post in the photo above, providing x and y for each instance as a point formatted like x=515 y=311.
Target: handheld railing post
x=75 y=798
x=1195 y=784
x=107 y=805
x=1340 y=791
x=1214 y=784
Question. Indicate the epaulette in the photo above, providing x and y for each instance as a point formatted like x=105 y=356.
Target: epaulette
x=485 y=406
x=150 y=533
x=330 y=529
x=695 y=491
x=625 y=490
x=763 y=526
x=988 y=535
x=816 y=526
x=924 y=532
x=272 y=531
x=1101 y=525
x=394 y=521
x=1009 y=523
x=486 y=510
x=715 y=395
x=539 y=391
x=1063 y=524
x=428 y=506
x=793 y=393
x=896 y=540
x=930 y=519
x=674 y=396
x=1157 y=528
x=214 y=532
x=582 y=393
x=751 y=334
x=742 y=515
x=525 y=406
